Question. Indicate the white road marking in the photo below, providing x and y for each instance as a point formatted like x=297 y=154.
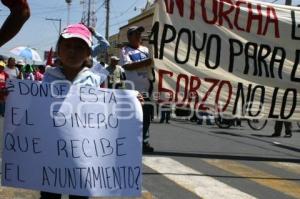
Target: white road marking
x=192 y=180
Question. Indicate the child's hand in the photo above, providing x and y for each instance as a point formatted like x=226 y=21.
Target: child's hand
x=141 y=98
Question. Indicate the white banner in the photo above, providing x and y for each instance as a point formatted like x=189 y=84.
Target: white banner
x=72 y=139
x=235 y=57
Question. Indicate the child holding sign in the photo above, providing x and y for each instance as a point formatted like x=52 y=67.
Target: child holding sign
x=74 y=50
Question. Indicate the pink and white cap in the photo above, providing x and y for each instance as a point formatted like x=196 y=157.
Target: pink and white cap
x=78 y=31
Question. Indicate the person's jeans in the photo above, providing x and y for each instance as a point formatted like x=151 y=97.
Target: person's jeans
x=147 y=109
x=2 y=108
x=279 y=125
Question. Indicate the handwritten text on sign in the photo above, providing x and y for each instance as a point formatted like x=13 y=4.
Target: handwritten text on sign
x=72 y=140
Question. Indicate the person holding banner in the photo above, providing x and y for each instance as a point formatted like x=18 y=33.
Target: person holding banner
x=74 y=50
x=136 y=62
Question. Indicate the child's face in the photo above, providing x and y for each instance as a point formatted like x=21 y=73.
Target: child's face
x=73 y=52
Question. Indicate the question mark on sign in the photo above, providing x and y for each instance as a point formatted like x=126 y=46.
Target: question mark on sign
x=137 y=177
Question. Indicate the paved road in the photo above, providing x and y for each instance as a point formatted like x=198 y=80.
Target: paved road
x=192 y=161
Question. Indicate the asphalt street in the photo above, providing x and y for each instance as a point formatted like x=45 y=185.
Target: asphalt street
x=200 y=161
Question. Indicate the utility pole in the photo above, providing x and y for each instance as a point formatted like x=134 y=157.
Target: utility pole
x=69 y=10
x=89 y=14
x=57 y=20
x=107 y=6
x=288 y=2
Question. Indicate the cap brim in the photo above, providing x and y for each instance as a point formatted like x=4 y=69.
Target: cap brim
x=69 y=36
x=139 y=29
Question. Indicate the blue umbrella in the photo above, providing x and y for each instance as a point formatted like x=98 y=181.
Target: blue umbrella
x=26 y=53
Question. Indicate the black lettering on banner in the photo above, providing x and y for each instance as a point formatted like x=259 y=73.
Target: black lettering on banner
x=122 y=177
x=273 y=104
x=123 y=168
x=73 y=147
x=88 y=178
x=168 y=30
x=34 y=89
x=261 y=59
x=107 y=177
x=120 y=142
x=45 y=177
x=294 y=26
x=21 y=144
x=35 y=142
x=96 y=176
x=19 y=175
x=90 y=119
x=62 y=183
x=44 y=90
x=117 y=177
x=113 y=122
x=27 y=122
x=72 y=179
x=182 y=32
x=101 y=120
x=284 y=103
x=279 y=60
x=80 y=176
x=153 y=38
x=61 y=146
x=7 y=168
x=58 y=116
x=13 y=115
x=9 y=142
x=240 y=94
x=15 y=112
x=209 y=49
x=198 y=49
x=261 y=101
x=10 y=169
x=250 y=47
x=92 y=95
x=103 y=177
x=295 y=67
x=25 y=147
x=137 y=177
x=131 y=179
x=23 y=88
x=107 y=149
x=112 y=98
x=83 y=147
x=235 y=50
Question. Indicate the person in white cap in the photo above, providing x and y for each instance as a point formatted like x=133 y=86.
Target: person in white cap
x=136 y=61
x=116 y=73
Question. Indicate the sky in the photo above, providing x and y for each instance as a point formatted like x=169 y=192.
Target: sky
x=41 y=34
